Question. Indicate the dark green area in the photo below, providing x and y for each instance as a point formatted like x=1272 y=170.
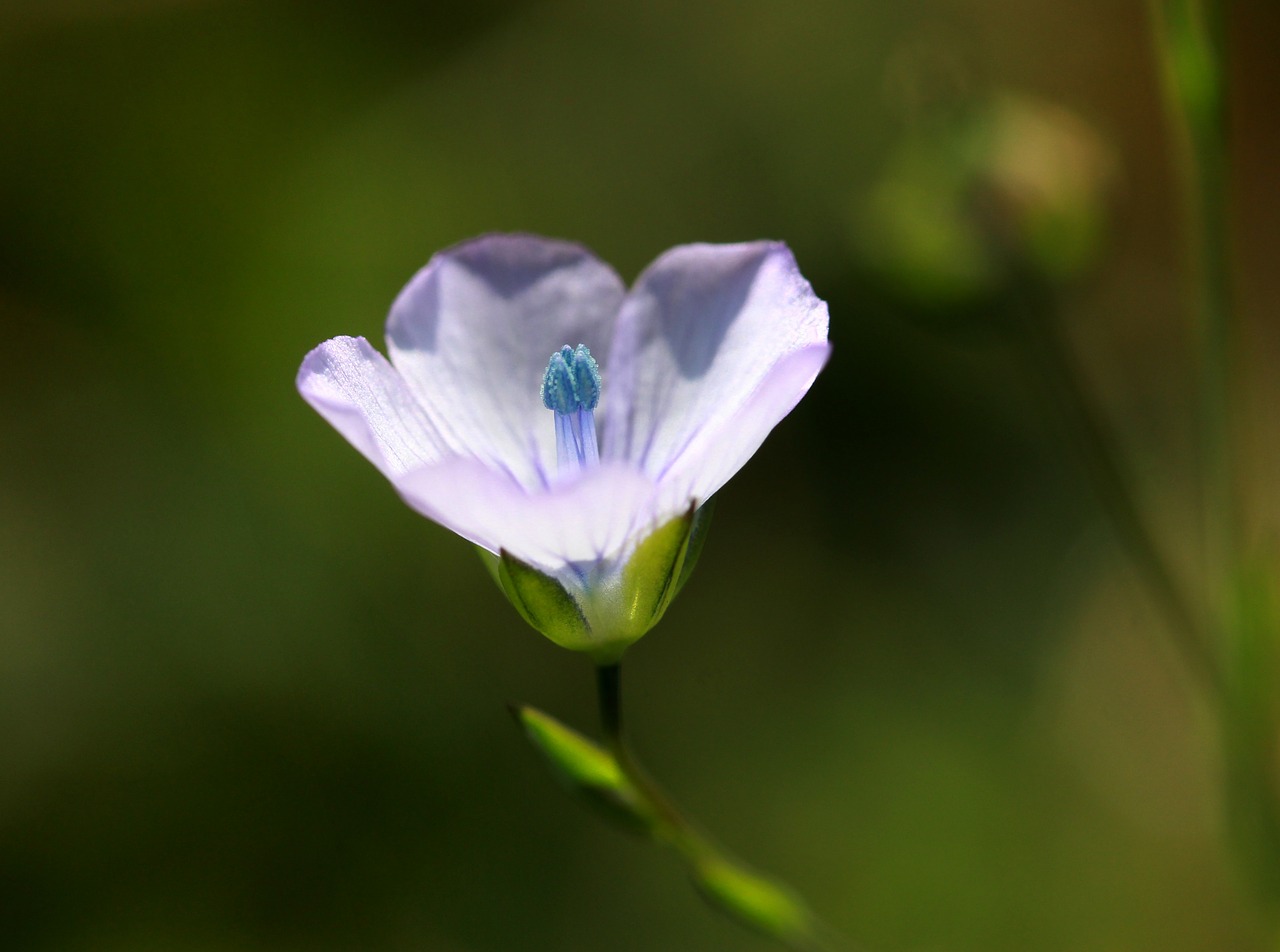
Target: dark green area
x=250 y=701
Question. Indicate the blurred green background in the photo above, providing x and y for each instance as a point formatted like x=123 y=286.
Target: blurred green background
x=248 y=700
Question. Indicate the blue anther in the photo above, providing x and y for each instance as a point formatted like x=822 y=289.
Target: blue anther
x=572 y=381
x=557 y=384
x=586 y=378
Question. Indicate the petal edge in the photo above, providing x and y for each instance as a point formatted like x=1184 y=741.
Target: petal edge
x=362 y=396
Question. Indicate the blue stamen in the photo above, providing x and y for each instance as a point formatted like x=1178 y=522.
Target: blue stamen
x=572 y=380
x=571 y=387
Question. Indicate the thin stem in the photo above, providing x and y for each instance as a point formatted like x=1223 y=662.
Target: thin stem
x=609 y=689
x=1189 y=39
x=680 y=832
x=797 y=927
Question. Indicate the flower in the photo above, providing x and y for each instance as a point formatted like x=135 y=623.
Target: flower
x=582 y=479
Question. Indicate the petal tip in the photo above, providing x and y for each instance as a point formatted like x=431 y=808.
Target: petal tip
x=321 y=358
x=508 y=261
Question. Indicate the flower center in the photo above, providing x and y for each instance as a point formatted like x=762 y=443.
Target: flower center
x=571 y=388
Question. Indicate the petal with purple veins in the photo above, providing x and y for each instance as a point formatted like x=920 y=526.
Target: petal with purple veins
x=697 y=340
x=366 y=400
x=473 y=330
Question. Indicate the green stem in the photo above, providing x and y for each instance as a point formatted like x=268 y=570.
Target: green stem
x=683 y=836
x=609 y=691
x=1189 y=38
x=749 y=897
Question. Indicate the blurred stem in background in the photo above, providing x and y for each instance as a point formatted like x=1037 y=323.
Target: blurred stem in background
x=997 y=205
x=1001 y=206
x=1189 y=38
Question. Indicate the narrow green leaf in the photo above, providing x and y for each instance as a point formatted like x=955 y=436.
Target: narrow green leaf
x=586 y=769
x=543 y=603
x=755 y=902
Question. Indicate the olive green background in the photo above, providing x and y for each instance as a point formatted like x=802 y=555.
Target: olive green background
x=250 y=701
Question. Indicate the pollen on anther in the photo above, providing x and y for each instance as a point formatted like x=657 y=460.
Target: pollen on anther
x=586 y=378
x=572 y=381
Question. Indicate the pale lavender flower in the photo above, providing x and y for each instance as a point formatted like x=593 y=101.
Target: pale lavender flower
x=493 y=418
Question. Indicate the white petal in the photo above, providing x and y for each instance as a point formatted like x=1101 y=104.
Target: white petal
x=594 y=517
x=697 y=339
x=367 y=401
x=474 y=329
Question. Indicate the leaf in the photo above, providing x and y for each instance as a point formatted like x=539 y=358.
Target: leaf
x=697 y=538
x=755 y=902
x=586 y=769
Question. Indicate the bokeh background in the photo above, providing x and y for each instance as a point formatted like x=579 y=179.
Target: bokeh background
x=249 y=701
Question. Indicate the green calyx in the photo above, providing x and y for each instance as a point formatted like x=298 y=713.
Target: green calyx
x=609 y=612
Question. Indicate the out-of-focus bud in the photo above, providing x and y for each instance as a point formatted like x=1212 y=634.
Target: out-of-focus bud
x=1002 y=187
x=1047 y=175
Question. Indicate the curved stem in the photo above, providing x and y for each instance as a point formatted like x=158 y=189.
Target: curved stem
x=1190 y=40
x=749 y=897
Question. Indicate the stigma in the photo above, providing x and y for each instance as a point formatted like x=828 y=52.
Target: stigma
x=571 y=389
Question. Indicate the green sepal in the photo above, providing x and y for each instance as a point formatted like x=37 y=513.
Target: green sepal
x=491 y=563
x=586 y=769
x=618 y=610
x=755 y=902
x=697 y=538
x=652 y=574
x=543 y=603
